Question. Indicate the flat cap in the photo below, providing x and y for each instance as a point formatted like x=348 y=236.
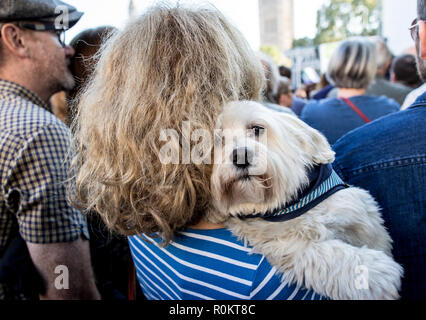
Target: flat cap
x=54 y=12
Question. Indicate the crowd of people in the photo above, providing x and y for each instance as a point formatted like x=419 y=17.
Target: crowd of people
x=79 y=149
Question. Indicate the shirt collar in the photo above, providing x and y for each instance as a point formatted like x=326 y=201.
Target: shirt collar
x=420 y=102
x=11 y=88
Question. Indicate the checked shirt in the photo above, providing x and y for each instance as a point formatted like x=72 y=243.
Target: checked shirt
x=34 y=154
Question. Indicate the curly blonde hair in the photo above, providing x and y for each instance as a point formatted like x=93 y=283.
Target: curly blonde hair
x=170 y=65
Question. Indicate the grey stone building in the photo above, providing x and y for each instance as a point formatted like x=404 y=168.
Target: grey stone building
x=276 y=23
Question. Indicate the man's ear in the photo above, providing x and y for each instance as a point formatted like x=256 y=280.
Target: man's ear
x=14 y=40
x=422 y=40
x=311 y=140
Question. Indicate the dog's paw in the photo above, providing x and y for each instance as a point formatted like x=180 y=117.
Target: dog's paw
x=378 y=277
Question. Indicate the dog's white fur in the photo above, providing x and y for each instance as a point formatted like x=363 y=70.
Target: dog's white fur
x=328 y=248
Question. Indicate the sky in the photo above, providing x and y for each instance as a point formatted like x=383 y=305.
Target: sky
x=243 y=13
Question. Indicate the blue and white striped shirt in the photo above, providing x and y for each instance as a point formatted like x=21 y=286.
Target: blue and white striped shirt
x=208 y=264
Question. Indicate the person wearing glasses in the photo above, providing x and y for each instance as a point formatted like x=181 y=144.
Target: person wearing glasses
x=44 y=249
x=388 y=158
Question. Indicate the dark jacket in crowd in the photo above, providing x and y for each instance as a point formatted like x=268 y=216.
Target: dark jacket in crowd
x=388 y=158
x=382 y=87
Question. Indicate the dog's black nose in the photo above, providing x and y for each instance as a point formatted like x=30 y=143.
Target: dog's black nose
x=242 y=157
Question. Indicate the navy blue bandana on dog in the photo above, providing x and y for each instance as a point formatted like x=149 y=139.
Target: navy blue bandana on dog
x=323 y=182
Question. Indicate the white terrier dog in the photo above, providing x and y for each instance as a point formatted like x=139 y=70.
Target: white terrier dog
x=275 y=188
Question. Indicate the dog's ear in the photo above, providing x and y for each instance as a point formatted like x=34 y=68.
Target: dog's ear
x=311 y=140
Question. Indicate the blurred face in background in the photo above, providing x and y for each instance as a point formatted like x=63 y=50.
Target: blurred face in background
x=284 y=96
x=286 y=99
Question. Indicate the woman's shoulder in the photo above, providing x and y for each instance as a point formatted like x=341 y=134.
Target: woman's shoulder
x=323 y=103
x=380 y=101
x=319 y=108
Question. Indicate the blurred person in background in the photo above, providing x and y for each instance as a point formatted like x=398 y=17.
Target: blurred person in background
x=297 y=103
x=404 y=71
x=351 y=69
x=58 y=103
x=272 y=77
x=323 y=88
x=388 y=158
x=381 y=86
x=110 y=251
x=285 y=72
x=284 y=96
x=86 y=44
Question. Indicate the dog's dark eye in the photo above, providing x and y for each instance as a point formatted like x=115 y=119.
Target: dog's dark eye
x=258 y=130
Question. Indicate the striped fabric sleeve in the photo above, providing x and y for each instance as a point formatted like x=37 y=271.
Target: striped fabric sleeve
x=268 y=285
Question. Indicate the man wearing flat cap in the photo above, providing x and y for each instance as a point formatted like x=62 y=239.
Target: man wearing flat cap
x=44 y=251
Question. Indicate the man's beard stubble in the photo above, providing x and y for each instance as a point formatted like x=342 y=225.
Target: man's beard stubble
x=421 y=68
x=421 y=64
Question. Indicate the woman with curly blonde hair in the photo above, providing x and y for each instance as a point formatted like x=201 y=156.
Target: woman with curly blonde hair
x=170 y=67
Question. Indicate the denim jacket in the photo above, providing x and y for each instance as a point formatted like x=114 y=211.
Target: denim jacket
x=388 y=158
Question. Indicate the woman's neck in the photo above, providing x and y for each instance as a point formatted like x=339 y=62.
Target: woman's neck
x=205 y=225
x=349 y=92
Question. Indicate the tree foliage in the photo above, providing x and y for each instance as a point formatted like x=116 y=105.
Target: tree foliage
x=277 y=56
x=303 y=42
x=340 y=19
x=273 y=52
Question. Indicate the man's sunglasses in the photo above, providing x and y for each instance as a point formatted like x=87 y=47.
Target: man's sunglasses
x=60 y=33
